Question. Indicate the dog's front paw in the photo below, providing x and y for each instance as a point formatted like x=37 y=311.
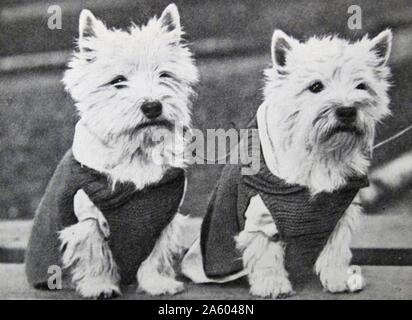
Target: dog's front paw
x=272 y=287
x=356 y=282
x=160 y=285
x=334 y=280
x=97 y=289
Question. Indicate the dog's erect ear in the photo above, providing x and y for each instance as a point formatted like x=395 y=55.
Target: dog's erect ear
x=381 y=45
x=281 y=45
x=170 y=18
x=89 y=27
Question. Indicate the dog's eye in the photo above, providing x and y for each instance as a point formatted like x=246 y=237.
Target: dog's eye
x=316 y=87
x=165 y=74
x=361 y=86
x=118 y=82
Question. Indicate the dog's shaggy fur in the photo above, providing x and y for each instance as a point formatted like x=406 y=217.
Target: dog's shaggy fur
x=309 y=84
x=110 y=77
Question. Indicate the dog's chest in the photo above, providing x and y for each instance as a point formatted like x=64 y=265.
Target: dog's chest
x=297 y=214
x=304 y=222
x=136 y=217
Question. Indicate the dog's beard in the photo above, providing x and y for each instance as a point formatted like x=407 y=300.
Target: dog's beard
x=145 y=136
x=161 y=142
x=341 y=135
x=339 y=140
x=150 y=127
x=134 y=137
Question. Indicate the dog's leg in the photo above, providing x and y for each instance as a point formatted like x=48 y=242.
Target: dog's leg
x=156 y=274
x=333 y=262
x=86 y=252
x=263 y=257
x=264 y=262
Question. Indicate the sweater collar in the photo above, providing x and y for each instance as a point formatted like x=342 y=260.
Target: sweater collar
x=265 y=139
x=90 y=151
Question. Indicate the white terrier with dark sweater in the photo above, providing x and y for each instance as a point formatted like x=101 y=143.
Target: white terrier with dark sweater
x=322 y=100
x=110 y=213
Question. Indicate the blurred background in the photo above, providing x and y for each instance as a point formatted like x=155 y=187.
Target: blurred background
x=231 y=41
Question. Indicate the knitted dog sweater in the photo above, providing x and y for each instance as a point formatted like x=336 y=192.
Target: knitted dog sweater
x=136 y=217
x=304 y=222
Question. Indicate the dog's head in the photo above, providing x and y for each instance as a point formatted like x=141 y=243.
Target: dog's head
x=326 y=95
x=132 y=84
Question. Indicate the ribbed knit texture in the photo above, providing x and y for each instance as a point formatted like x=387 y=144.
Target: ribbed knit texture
x=136 y=218
x=304 y=222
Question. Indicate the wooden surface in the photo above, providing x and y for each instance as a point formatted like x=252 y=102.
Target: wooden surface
x=390 y=231
x=383 y=283
x=375 y=231
x=14 y=234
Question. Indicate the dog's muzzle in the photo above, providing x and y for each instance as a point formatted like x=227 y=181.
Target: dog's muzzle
x=350 y=129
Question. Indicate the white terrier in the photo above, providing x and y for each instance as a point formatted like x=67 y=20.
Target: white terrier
x=322 y=101
x=111 y=206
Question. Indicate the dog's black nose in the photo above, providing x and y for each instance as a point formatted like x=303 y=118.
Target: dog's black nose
x=346 y=115
x=152 y=109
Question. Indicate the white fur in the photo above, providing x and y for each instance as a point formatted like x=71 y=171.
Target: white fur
x=333 y=262
x=110 y=116
x=113 y=136
x=305 y=149
x=87 y=254
x=156 y=274
x=302 y=157
x=264 y=262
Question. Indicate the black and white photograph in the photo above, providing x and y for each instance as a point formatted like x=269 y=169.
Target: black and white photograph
x=222 y=150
